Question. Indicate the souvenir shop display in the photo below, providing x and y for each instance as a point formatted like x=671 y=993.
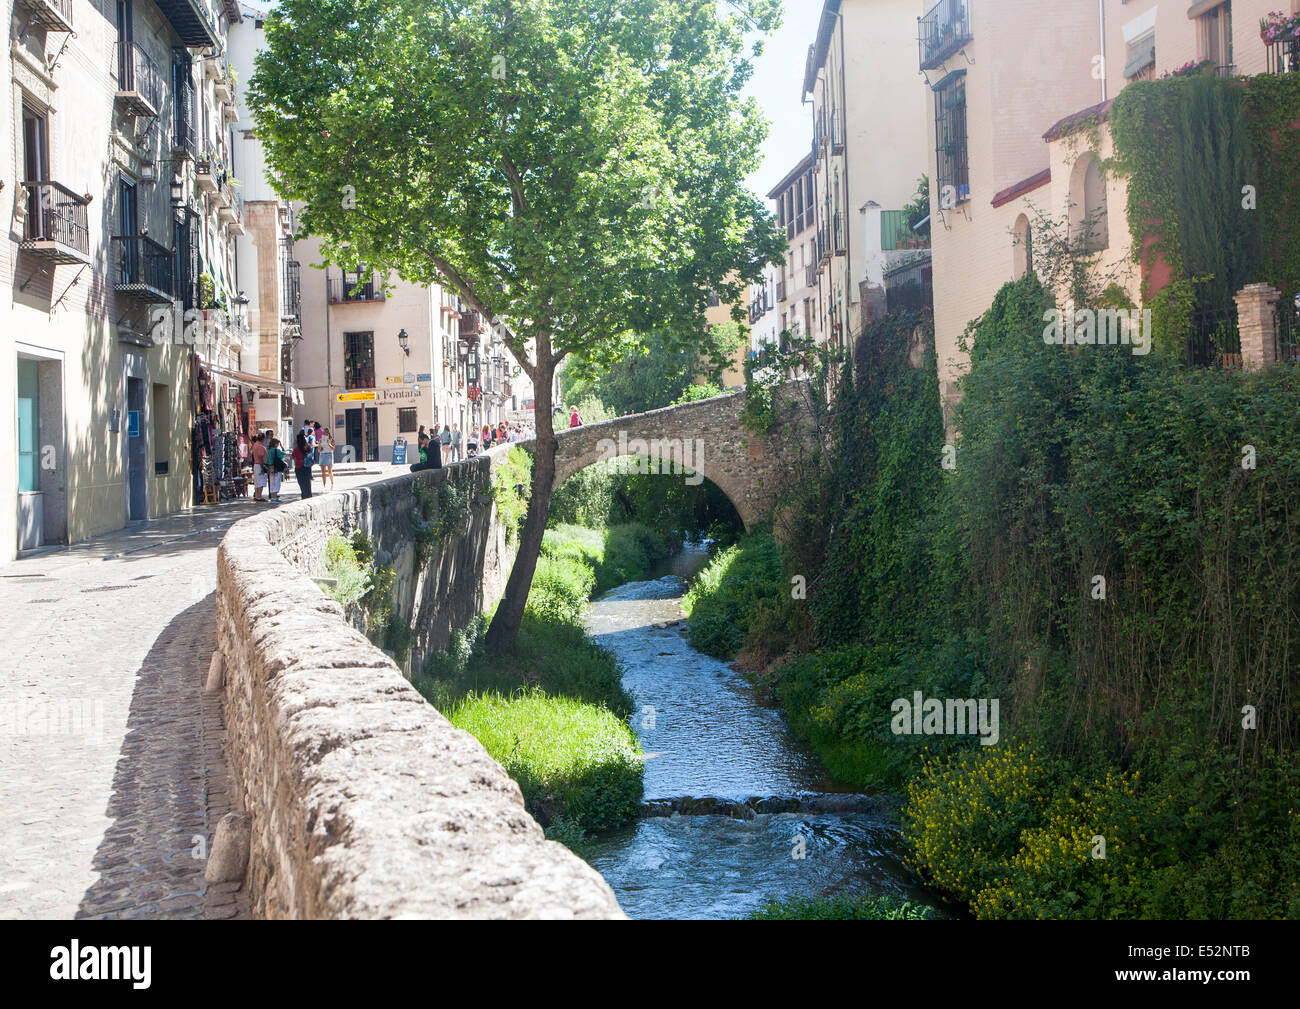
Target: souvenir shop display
x=220 y=442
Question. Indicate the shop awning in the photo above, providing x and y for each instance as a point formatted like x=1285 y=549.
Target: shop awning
x=259 y=382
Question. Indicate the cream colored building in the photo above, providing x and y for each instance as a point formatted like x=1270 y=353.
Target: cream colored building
x=1012 y=138
x=797 y=309
x=379 y=359
x=869 y=148
x=107 y=116
x=269 y=270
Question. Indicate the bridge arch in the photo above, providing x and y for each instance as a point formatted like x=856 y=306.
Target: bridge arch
x=705 y=437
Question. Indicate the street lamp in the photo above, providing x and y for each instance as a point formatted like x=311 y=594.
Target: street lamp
x=405 y=341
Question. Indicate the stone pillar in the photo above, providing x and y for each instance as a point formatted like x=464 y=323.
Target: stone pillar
x=1257 y=323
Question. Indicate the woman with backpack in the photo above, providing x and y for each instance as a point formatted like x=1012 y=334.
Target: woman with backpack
x=276 y=467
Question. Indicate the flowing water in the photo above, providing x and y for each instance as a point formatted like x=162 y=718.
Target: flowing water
x=706 y=738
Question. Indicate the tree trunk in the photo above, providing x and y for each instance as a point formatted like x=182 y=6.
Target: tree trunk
x=504 y=628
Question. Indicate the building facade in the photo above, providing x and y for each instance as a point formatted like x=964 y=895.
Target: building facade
x=1009 y=137
x=797 y=309
x=379 y=358
x=868 y=151
x=109 y=236
x=269 y=275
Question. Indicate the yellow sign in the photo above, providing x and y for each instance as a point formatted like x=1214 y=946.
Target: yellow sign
x=394 y=380
x=350 y=397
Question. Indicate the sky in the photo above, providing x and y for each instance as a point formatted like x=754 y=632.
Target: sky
x=777 y=84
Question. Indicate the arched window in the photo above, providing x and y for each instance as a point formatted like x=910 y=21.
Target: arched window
x=1089 y=214
x=1023 y=252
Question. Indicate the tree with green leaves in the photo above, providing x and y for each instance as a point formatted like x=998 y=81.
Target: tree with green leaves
x=572 y=168
x=661 y=371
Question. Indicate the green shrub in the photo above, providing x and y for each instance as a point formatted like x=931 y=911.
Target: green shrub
x=569 y=758
x=352 y=575
x=512 y=482
x=842 y=907
x=725 y=597
x=840 y=701
x=560 y=590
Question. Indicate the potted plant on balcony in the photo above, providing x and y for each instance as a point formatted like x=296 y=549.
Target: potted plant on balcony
x=207 y=292
x=1282 y=30
x=1280 y=27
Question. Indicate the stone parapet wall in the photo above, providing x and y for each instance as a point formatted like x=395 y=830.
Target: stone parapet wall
x=365 y=802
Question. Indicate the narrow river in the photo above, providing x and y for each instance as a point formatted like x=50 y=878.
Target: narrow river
x=706 y=738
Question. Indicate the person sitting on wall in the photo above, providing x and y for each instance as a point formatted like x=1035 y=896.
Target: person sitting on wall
x=430 y=454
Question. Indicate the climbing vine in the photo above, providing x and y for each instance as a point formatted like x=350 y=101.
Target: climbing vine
x=512 y=481
x=1199 y=185
x=440 y=516
x=1272 y=108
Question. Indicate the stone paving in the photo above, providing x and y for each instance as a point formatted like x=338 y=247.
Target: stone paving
x=112 y=766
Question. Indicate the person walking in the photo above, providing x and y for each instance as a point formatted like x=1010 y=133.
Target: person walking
x=452 y=439
x=326 y=449
x=276 y=468
x=574 y=419
x=302 y=463
x=259 y=465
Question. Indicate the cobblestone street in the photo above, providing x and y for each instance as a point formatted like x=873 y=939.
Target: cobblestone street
x=114 y=772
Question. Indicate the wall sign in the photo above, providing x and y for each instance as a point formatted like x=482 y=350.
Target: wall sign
x=355 y=397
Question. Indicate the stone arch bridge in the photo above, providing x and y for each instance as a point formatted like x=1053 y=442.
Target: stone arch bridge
x=706 y=438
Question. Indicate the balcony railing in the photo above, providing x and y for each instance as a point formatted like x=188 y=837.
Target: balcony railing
x=351 y=288
x=52 y=15
x=945 y=30
x=1283 y=57
x=1214 y=339
x=55 y=227
x=232 y=211
x=471 y=324
x=143 y=268
x=1287 y=332
x=139 y=85
x=192 y=20
x=291 y=292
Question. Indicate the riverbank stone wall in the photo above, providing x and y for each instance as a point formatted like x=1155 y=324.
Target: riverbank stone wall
x=363 y=800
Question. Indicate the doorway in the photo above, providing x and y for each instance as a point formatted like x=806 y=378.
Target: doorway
x=42 y=511
x=136 y=452
x=354 y=433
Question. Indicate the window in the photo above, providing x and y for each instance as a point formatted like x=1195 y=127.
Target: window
x=160 y=419
x=183 y=100
x=408 y=419
x=126 y=209
x=36 y=166
x=359 y=360
x=1140 y=57
x=951 y=157
x=1089 y=213
x=1024 y=248
x=1214 y=35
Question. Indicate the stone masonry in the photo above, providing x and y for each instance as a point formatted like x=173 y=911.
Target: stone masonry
x=364 y=801
x=750 y=469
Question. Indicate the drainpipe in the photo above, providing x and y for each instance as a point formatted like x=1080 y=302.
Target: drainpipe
x=846 y=338
x=1101 y=17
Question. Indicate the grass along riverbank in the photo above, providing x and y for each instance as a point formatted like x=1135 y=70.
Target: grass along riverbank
x=553 y=710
